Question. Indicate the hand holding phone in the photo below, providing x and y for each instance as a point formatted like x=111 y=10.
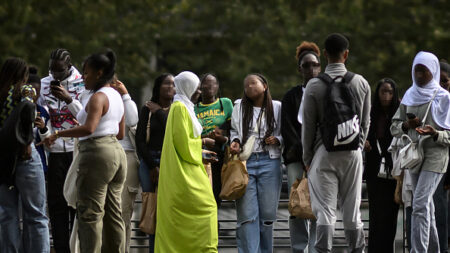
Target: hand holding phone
x=412 y=121
x=209 y=156
x=410 y=115
x=55 y=83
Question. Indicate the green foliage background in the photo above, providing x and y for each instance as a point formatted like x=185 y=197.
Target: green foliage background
x=230 y=38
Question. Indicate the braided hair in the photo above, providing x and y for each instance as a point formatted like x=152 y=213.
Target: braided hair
x=61 y=54
x=12 y=74
x=14 y=71
x=106 y=62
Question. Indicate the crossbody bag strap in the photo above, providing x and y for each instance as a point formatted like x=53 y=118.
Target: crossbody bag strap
x=428 y=108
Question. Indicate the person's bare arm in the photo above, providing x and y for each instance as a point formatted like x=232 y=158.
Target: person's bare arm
x=98 y=105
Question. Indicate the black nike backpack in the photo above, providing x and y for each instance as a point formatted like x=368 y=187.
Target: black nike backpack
x=340 y=126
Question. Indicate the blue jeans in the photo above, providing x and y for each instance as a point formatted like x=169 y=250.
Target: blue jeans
x=257 y=209
x=144 y=172
x=302 y=231
x=30 y=189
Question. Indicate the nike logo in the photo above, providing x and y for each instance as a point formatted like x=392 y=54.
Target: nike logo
x=347 y=131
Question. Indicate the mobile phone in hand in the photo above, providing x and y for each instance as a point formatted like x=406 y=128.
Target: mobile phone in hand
x=55 y=83
x=209 y=156
x=410 y=115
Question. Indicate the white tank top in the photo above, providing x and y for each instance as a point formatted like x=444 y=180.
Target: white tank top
x=109 y=123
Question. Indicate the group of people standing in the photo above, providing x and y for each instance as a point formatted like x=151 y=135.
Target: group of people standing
x=175 y=148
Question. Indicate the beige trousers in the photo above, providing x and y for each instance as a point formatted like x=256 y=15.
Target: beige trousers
x=129 y=192
x=102 y=172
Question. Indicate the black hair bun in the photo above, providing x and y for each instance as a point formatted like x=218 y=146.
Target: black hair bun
x=32 y=70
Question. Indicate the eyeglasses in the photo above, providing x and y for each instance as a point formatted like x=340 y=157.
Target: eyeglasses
x=307 y=65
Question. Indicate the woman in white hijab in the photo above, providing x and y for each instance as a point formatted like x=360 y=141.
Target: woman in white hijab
x=431 y=131
x=187 y=210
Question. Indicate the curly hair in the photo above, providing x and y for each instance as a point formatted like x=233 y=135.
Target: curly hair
x=305 y=48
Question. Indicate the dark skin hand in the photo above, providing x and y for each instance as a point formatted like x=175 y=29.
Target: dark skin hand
x=26 y=153
x=213 y=159
x=218 y=135
x=367 y=147
x=60 y=93
x=412 y=123
x=154 y=175
x=152 y=106
x=235 y=147
x=426 y=130
x=209 y=142
x=39 y=123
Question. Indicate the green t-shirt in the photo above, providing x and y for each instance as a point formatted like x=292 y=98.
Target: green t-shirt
x=212 y=116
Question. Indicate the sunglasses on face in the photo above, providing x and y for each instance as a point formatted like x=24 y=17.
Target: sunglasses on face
x=307 y=65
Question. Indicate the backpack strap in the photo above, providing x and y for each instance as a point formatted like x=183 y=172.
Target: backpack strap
x=325 y=78
x=348 y=76
x=328 y=80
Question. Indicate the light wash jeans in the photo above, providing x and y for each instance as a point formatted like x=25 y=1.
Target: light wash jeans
x=441 y=214
x=424 y=235
x=257 y=209
x=30 y=189
x=302 y=231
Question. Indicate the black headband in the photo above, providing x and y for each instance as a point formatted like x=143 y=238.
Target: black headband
x=302 y=54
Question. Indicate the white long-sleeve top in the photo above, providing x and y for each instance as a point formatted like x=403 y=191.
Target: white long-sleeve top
x=131 y=120
x=237 y=128
x=62 y=115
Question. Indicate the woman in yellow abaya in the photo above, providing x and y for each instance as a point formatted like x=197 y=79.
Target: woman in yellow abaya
x=186 y=211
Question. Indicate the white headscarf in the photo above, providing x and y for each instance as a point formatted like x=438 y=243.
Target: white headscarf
x=186 y=83
x=417 y=95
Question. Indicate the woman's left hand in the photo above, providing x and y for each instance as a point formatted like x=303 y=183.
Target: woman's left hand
x=426 y=130
x=272 y=140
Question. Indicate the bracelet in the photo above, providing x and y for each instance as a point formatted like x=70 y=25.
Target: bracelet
x=57 y=134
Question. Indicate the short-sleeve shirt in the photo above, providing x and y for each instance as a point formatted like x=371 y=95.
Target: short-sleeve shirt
x=214 y=115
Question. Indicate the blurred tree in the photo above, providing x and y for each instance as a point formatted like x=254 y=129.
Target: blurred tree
x=230 y=38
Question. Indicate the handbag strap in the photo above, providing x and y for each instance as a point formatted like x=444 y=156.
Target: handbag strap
x=379 y=148
x=428 y=108
x=147 y=132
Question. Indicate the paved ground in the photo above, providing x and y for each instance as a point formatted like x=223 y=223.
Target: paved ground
x=227 y=242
